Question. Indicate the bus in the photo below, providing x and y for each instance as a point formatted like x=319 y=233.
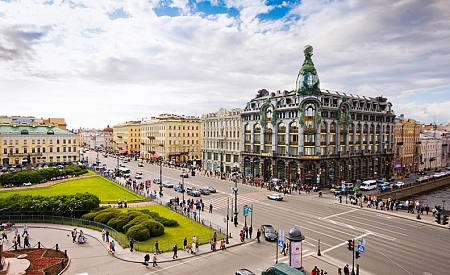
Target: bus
x=124 y=172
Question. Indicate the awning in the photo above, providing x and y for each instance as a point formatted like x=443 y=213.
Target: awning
x=155 y=156
x=122 y=152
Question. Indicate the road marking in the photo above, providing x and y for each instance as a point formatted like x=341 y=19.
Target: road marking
x=335 y=215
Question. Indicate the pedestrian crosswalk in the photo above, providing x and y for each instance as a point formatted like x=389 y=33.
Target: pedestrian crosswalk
x=222 y=200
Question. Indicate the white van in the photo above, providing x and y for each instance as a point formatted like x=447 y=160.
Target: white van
x=368 y=185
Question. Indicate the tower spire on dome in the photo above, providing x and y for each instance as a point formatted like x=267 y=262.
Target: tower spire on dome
x=307 y=80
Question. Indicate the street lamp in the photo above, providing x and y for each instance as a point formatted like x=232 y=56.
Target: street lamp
x=235 y=190
x=160 y=174
x=182 y=183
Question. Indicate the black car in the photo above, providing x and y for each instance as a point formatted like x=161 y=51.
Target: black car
x=186 y=175
x=269 y=232
x=211 y=189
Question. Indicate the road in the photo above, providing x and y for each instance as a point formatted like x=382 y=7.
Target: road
x=394 y=245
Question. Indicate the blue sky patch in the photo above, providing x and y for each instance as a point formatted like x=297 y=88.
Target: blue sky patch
x=208 y=9
x=119 y=13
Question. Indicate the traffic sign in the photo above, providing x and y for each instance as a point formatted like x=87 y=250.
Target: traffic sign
x=361 y=248
x=249 y=209
x=280 y=243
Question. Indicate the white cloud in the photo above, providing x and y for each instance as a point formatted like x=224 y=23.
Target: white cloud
x=79 y=64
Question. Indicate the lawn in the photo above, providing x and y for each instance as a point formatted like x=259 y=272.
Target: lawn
x=106 y=190
x=187 y=228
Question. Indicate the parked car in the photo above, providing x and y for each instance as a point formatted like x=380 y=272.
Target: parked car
x=384 y=186
x=167 y=184
x=27 y=184
x=269 y=232
x=193 y=191
x=244 y=271
x=276 y=197
x=399 y=184
x=211 y=189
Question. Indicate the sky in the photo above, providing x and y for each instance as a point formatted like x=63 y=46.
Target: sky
x=98 y=63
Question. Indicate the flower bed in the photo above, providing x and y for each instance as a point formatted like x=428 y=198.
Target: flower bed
x=41 y=260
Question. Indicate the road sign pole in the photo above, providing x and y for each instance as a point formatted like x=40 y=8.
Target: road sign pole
x=251 y=218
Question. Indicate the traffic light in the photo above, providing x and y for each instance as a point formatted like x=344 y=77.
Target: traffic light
x=445 y=220
x=438 y=218
x=357 y=254
x=350 y=245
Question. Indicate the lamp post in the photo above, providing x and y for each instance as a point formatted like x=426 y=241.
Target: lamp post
x=221 y=163
x=160 y=174
x=182 y=183
x=228 y=218
x=235 y=190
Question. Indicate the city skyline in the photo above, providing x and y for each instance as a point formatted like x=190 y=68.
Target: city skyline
x=99 y=63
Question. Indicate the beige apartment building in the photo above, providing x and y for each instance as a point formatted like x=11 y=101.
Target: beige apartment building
x=173 y=137
x=221 y=143
x=25 y=120
x=407 y=145
x=431 y=152
x=37 y=143
x=127 y=137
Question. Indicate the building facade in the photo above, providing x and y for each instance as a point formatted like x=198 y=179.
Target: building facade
x=317 y=136
x=431 y=152
x=127 y=138
x=21 y=143
x=221 y=142
x=444 y=137
x=172 y=137
x=407 y=145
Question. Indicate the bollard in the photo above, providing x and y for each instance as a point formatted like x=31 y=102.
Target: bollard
x=62 y=263
x=57 y=249
x=65 y=253
x=15 y=246
x=39 y=245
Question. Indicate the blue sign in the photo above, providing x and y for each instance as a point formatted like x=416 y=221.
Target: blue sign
x=249 y=209
x=245 y=211
x=361 y=248
x=280 y=243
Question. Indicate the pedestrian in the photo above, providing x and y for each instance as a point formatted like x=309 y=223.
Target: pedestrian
x=346 y=270
x=283 y=251
x=107 y=236
x=26 y=241
x=246 y=231
x=339 y=271
x=258 y=235
x=195 y=215
x=146 y=259
x=111 y=247
x=175 y=251
x=103 y=234
x=190 y=248
x=14 y=241
x=210 y=208
x=185 y=243
x=25 y=230
x=215 y=236
x=131 y=244
x=74 y=235
x=16 y=231
x=157 y=247
x=154 y=260
x=125 y=202
x=18 y=240
x=250 y=231
x=5 y=237
x=194 y=248
x=222 y=245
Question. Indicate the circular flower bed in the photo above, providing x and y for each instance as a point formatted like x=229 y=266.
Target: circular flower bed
x=41 y=260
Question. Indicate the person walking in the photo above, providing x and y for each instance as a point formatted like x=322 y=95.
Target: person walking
x=258 y=235
x=157 y=247
x=154 y=260
x=131 y=244
x=146 y=260
x=103 y=234
x=5 y=237
x=175 y=251
x=25 y=230
x=111 y=247
x=18 y=240
x=215 y=236
x=185 y=243
x=107 y=236
x=250 y=231
x=346 y=270
x=210 y=208
x=26 y=241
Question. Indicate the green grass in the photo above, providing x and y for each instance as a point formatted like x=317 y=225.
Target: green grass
x=174 y=235
x=106 y=190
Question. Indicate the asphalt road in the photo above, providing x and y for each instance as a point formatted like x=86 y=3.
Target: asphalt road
x=394 y=245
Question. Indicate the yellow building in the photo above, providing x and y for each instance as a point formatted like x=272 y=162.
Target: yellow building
x=28 y=120
x=175 y=138
x=38 y=143
x=407 y=145
x=127 y=137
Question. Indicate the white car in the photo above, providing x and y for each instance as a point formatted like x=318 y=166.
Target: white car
x=27 y=184
x=399 y=184
x=137 y=176
x=276 y=197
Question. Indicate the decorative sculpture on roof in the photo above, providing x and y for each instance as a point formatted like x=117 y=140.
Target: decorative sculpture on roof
x=307 y=79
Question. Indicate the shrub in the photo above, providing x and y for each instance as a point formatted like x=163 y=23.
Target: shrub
x=105 y=216
x=138 y=232
x=89 y=216
x=137 y=220
x=156 y=228
x=167 y=222
x=120 y=221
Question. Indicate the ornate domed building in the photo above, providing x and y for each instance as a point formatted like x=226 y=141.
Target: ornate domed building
x=317 y=136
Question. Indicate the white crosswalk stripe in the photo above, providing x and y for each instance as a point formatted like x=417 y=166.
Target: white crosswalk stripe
x=248 y=198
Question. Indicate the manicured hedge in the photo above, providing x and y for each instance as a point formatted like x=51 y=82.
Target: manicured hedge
x=39 y=175
x=64 y=205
